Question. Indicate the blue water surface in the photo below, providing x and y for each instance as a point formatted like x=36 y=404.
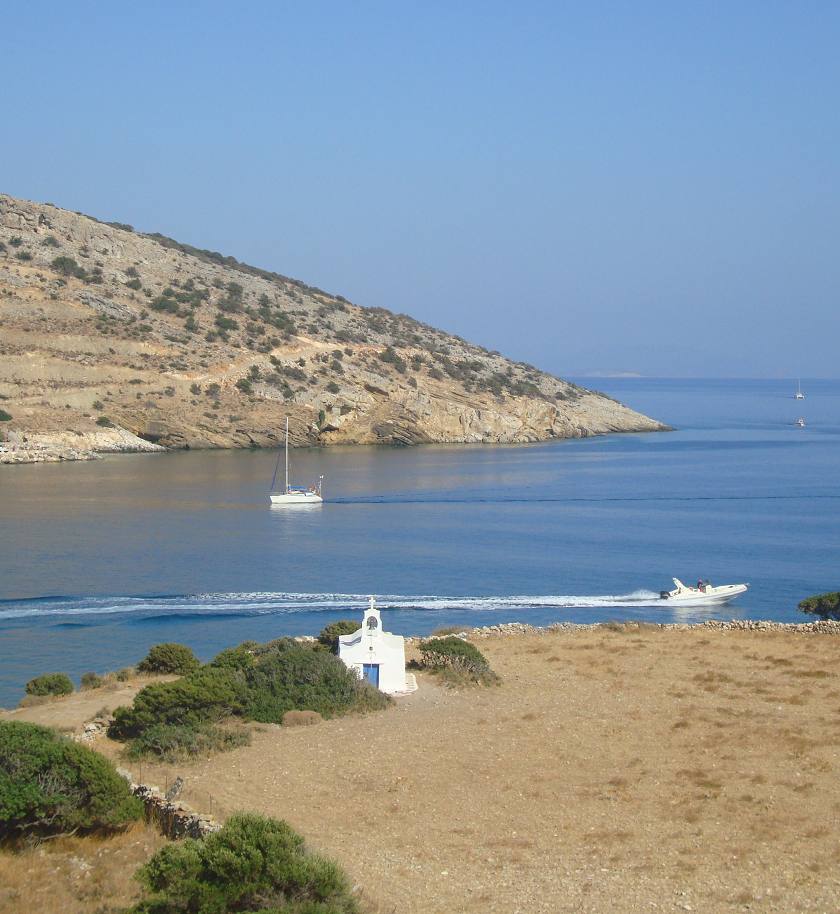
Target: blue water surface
x=100 y=560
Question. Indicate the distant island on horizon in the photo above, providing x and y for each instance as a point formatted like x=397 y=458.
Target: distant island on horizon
x=114 y=340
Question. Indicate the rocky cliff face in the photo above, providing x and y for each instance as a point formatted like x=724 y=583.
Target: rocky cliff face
x=113 y=340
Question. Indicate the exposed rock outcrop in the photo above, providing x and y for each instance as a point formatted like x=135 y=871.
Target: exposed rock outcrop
x=178 y=347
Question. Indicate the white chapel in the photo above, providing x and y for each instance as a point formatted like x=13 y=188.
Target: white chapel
x=376 y=655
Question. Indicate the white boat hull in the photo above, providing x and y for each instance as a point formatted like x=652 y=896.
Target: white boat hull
x=296 y=498
x=711 y=596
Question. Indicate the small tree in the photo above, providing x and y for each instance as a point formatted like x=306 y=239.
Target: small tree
x=826 y=605
x=169 y=658
x=50 y=684
x=50 y=785
x=330 y=633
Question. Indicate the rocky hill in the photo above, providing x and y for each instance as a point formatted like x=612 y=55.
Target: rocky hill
x=115 y=340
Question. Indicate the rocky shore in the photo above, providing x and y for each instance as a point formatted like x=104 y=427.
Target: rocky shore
x=61 y=446
x=819 y=627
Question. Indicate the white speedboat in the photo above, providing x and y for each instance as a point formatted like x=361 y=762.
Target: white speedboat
x=704 y=594
x=294 y=495
x=800 y=422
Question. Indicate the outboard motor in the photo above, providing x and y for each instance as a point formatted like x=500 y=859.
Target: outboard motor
x=664 y=594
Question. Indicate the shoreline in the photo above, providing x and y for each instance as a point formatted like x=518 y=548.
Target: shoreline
x=44 y=447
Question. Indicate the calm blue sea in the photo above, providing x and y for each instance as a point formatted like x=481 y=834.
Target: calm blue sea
x=100 y=560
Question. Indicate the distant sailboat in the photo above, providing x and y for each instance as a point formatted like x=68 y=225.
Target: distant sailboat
x=294 y=495
x=798 y=395
x=800 y=422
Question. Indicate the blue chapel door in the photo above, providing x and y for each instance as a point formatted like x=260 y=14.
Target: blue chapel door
x=371 y=672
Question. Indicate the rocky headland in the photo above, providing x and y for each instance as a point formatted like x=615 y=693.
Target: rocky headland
x=113 y=340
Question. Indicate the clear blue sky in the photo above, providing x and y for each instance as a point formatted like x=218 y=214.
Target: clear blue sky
x=639 y=186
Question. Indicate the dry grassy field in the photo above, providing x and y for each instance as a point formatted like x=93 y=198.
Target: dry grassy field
x=633 y=769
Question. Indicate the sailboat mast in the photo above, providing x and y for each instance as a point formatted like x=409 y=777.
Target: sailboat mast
x=287 y=454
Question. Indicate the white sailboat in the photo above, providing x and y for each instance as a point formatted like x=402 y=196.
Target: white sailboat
x=294 y=495
x=798 y=395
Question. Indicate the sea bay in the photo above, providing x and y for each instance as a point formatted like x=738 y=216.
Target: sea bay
x=100 y=560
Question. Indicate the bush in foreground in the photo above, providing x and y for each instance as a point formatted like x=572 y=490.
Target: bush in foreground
x=169 y=658
x=51 y=785
x=826 y=605
x=253 y=864
x=50 y=684
x=457 y=661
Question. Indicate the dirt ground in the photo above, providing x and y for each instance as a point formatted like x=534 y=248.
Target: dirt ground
x=613 y=770
x=76 y=875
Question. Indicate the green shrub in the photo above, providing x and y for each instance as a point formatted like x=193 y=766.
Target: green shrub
x=135 y=284
x=171 y=742
x=16 y=241
x=67 y=266
x=244 y=385
x=50 y=242
x=333 y=388
x=50 y=684
x=92 y=681
x=169 y=658
x=226 y=323
x=4 y=416
x=204 y=696
x=298 y=678
x=457 y=661
x=124 y=674
x=329 y=634
x=235 y=658
x=50 y=785
x=253 y=863
x=826 y=605
x=104 y=422
x=24 y=255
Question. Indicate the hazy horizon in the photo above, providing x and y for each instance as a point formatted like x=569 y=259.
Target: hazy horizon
x=598 y=190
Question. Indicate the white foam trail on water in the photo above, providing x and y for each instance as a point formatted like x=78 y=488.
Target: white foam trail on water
x=272 y=602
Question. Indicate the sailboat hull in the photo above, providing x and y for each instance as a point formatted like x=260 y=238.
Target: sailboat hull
x=296 y=498
x=293 y=495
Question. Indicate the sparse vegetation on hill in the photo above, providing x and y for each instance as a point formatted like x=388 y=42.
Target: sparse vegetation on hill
x=104 y=307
